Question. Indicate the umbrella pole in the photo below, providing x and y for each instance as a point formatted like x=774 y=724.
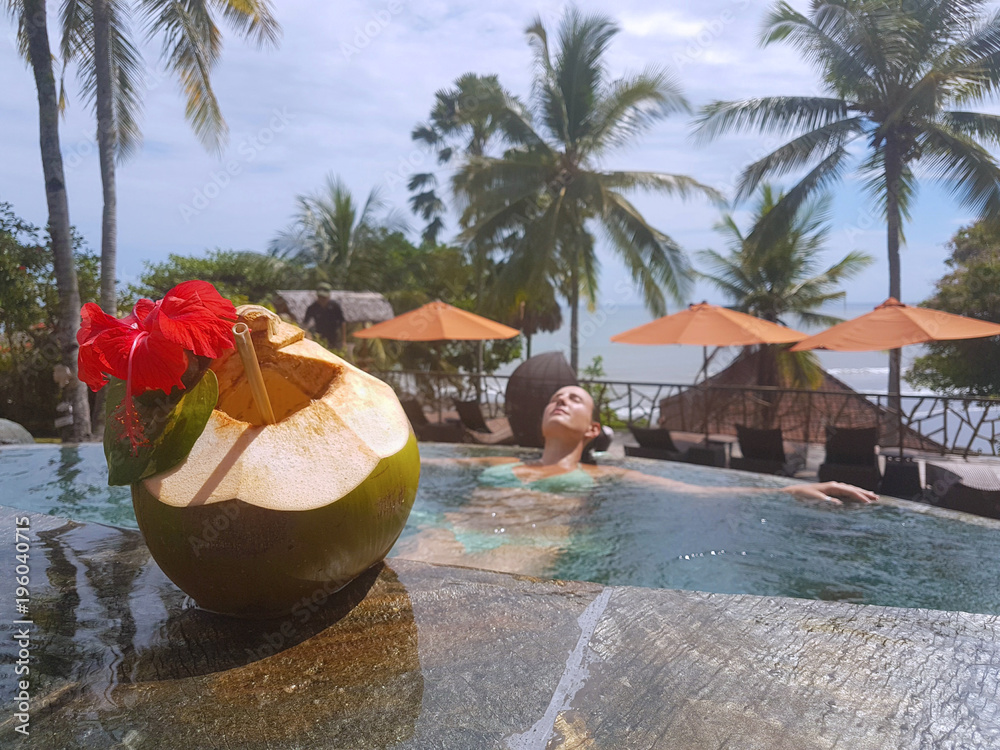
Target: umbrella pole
x=479 y=369
x=895 y=399
x=704 y=377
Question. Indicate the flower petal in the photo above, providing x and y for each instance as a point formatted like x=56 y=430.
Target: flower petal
x=94 y=321
x=104 y=342
x=140 y=311
x=90 y=367
x=157 y=364
x=195 y=316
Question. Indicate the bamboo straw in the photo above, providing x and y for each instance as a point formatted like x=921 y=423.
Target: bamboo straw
x=244 y=346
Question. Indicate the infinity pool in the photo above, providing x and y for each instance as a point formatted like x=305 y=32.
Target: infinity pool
x=628 y=533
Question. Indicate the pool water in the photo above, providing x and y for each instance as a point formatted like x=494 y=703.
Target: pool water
x=628 y=533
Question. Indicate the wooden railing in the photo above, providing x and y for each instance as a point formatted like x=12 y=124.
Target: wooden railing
x=941 y=424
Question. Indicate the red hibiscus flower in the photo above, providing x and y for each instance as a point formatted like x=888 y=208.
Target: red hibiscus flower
x=148 y=348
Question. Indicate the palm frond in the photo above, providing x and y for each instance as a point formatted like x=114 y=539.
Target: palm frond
x=127 y=66
x=982 y=127
x=580 y=68
x=544 y=86
x=783 y=277
x=818 y=179
x=191 y=45
x=727 y=274
x=670 y=184
x=251 y=19
x=872 y=170
x=629 y=106
x=780 y=115
x=826 y=40
x=15 y=10
x=970 y=66
x=969 y=170
x=652 y=258
x=426 y=134
x=798 y=153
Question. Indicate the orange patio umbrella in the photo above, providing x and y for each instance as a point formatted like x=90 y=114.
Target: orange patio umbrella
x=703 y=324
x=438 y=321
x=708 y=325
x=892 y=325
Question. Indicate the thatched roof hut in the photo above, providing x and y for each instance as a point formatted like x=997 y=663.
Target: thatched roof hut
x=726 y=399
x=358 y=307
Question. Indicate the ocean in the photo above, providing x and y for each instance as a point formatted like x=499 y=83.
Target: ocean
x=867 y=372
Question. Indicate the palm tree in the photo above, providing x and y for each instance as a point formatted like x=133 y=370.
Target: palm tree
x=331 y=233
x=33 y=39
x=98 y=35
x=463 y=122
x=548 y=189
x=783 y=281
x=893 y=69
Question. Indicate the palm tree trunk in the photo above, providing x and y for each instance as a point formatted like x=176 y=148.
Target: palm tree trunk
x=479 y=263
x=107 y=136
x=893 y=172
x=40 y=54
x=767 y=376
x=107 y=131
x=574 y=315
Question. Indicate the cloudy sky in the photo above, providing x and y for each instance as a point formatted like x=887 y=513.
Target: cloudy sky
x=350 y=80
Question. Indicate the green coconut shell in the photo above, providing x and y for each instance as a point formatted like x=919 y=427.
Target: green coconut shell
x=239 y=559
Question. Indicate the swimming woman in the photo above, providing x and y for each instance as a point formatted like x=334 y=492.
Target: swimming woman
x=542 y=499
x=569 y=423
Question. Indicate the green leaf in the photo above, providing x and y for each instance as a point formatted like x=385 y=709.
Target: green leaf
x=172 y=427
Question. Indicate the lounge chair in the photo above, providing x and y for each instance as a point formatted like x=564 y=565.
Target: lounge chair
x=477 y=430
x=654 y=443
x=970 y=489
x=901 y=478
x=851 y=457
x=763 y=451
x=450 y=431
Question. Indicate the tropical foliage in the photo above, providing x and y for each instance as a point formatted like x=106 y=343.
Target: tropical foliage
x=971 y=288
x=542 y=198
x=98 y=35
x=783 y=281
x=239 y=275
x=30 y=321
x=898 y=77
x=334 y=236
x=464 y=121
x=33 y=43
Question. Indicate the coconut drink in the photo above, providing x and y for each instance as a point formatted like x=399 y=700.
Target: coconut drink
x=263 y=480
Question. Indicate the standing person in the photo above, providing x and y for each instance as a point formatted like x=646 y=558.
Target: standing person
x=325 y=317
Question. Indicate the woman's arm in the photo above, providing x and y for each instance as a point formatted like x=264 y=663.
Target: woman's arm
x=833 y=492
x=481 y=461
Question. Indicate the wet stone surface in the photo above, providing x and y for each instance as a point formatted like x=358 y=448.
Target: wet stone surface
x=413 y=655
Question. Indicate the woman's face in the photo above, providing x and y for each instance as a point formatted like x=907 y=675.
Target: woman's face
x=570 y=411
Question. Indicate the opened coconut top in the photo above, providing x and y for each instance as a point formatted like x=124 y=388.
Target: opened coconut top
x=335 y=423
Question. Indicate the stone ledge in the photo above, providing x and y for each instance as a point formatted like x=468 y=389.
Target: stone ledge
x=413 y=655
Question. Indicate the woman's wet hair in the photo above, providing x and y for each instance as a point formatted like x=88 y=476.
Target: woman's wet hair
x=588 y=450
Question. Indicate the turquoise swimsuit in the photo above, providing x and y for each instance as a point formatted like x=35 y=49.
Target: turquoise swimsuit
x=572 y=482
